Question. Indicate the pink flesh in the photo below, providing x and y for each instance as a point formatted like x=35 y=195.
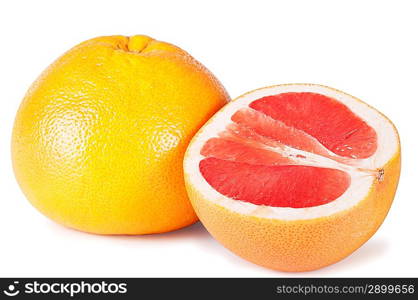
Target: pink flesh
x=244 y=161
x=277 y=130
x=332 y=123
x=234 y=151
x=285 y=186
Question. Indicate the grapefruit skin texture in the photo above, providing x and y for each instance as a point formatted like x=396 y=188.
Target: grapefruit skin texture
x=99 y=138
x=299 y=245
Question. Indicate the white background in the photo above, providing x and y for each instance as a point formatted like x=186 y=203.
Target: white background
x=366 y=48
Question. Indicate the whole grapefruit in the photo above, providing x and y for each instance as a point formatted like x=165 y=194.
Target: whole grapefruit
x=99 y=139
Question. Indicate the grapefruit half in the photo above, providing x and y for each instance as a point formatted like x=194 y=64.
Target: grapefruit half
x=293 y=177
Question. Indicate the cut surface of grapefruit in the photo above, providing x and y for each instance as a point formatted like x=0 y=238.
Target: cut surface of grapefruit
x=293 y=177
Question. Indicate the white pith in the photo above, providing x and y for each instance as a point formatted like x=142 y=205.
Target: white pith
x=363 y=172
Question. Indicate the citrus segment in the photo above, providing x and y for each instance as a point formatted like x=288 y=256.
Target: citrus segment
x=329 y=121
x=250 y=152
x=270 y=185
x=267 y=127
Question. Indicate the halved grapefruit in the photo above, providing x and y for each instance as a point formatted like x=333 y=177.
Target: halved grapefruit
x=293 y=177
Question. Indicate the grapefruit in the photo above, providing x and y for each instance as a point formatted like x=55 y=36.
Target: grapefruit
x=293 y=177
x=99 y=139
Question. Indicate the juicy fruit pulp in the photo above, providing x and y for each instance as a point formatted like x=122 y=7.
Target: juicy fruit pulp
x=263 y=155
x=99 y=139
